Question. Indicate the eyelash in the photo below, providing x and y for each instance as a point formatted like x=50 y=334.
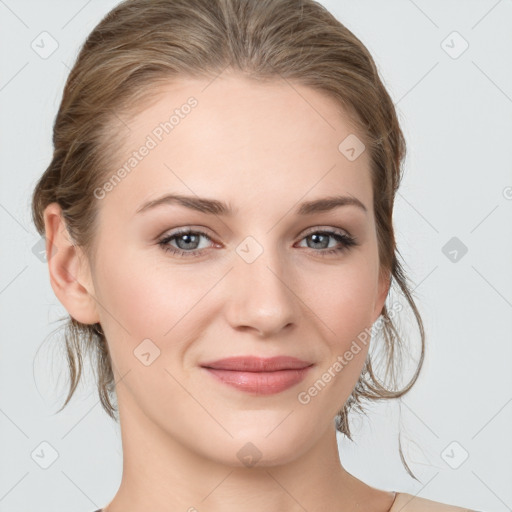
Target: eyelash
x=347 y=242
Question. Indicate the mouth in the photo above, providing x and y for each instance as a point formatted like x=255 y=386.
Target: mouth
x=260 y=376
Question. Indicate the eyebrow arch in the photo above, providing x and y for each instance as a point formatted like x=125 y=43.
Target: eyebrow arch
x=329 y=203
x=215 y=207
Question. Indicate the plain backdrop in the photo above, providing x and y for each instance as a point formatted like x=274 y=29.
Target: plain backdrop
x=447 y=66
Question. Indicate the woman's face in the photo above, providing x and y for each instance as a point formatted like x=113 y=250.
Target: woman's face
x=268 y=276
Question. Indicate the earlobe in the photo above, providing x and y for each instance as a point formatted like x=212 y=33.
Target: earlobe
x=70 y=275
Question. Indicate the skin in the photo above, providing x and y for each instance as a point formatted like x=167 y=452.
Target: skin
x=263 y=149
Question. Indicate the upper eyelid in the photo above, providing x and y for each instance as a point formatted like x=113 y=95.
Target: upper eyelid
x=326 y=228
x=204 y=231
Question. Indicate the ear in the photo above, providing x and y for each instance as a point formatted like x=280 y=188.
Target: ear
x=382 y=293
x=70 y=275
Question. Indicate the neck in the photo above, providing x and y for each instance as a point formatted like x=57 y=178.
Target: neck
x=163 y=474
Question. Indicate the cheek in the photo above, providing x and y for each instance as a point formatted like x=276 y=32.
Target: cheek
x=345 y=309
x=133 y=297
x=142 y=301
x=344 y=303
x=127 y=295
x=344 y=300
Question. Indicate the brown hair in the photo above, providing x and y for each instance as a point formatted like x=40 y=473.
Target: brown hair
x=143 y=43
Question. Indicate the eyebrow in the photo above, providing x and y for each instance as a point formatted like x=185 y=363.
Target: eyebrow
x=215 y=207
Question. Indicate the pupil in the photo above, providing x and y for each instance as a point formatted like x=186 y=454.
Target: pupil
x=188 y=238
x=317 y=239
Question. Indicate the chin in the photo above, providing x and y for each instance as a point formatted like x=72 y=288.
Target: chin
x=261 y=446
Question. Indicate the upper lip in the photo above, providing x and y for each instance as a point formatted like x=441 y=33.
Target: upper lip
x=257 y=364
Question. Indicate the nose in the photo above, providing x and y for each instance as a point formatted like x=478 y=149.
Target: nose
x=261 y=295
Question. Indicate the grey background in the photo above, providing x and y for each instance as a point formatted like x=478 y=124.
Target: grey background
x=456 y=112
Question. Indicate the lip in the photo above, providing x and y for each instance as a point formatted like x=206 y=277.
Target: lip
x=256 y=375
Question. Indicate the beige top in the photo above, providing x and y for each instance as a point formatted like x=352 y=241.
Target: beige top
x=405 y=502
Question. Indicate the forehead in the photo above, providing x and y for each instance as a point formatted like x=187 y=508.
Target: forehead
x=237 y=139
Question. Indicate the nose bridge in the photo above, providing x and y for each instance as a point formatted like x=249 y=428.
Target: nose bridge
x=262 y=294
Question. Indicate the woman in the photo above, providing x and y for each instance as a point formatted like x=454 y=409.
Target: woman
x=218 y=217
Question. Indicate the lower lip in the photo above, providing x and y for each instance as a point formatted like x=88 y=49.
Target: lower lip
x=260 y=383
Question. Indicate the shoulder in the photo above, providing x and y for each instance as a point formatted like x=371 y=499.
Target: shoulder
x=405 y=502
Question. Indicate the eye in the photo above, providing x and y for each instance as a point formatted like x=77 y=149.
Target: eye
x=320 y=240
x=188 y=242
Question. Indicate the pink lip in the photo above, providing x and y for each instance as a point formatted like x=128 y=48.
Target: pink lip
x=258 y=375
